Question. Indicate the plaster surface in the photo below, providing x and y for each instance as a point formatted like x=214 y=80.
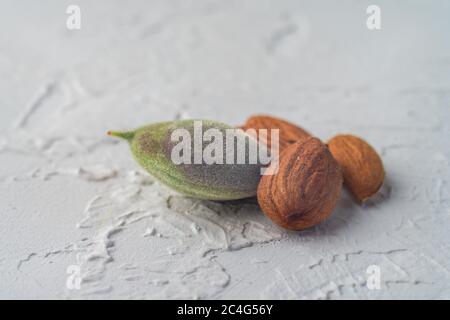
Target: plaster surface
x=75 y=206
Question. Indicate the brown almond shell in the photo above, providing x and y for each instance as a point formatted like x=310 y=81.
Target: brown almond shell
x=306 y=188
x=289 y=132
x=361 y=165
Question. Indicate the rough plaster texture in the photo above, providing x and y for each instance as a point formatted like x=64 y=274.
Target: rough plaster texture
x=71 y=196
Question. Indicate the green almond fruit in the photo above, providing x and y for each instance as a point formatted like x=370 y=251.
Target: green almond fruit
x=196 y=162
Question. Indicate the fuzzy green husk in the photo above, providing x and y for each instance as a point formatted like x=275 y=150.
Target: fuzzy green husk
x=150 y=146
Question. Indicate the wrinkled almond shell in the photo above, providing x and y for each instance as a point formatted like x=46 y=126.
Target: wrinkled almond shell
x=305 y=189
x=361 y=165
x=289 y=133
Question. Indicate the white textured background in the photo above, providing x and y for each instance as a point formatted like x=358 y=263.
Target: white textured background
x=71 y=196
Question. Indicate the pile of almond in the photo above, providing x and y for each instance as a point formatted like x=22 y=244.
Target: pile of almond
x=307 y=186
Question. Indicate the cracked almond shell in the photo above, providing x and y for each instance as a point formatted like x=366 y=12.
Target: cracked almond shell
x=361 y=165
x=305 y=189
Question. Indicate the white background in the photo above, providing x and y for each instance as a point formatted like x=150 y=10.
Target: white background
x=71 y=196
